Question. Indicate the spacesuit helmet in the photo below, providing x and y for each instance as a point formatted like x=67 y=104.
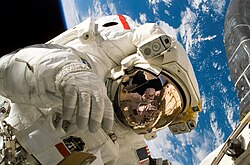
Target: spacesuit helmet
x=147 y=101
x=149 y=93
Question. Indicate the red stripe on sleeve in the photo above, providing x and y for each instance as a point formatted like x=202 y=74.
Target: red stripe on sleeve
x=62 y=149
x=124 y=22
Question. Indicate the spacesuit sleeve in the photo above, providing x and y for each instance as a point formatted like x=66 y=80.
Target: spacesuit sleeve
x=27 y=76
x=145 y=33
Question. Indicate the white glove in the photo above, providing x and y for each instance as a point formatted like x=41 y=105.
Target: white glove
x=85 y=96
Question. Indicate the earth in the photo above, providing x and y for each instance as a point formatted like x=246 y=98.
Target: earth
x=198 y=25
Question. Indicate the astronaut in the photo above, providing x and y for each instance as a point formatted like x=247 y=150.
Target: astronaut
x=96 y=92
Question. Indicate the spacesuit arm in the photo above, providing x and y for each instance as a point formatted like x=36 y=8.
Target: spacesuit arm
x=48 y=76
x=28 y=75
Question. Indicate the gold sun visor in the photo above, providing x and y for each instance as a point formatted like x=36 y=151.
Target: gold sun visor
x=149 y=102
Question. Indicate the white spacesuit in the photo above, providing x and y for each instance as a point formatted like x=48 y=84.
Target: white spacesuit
x=61 y=105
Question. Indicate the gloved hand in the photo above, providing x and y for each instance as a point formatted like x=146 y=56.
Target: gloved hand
x=85 y=96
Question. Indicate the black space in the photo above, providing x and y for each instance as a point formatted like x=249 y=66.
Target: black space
x=27 y=22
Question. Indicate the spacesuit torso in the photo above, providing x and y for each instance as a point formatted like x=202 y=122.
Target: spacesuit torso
x=109 y=40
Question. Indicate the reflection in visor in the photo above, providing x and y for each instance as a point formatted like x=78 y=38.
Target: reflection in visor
x=148 y=101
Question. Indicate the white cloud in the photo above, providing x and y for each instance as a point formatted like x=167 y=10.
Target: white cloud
x=191 y=32
x=71 y=16
x=201 y=39
x=154 y=4
x=230 y=112
x=167 y=12
x=143 y=17
x=205 y=6
x=195 y=3
x=163 y=146
x=168 y=29
x=218 y=6
x=215 y=64
x=186 y=29
x=99 y=9
x=202 y=146
x=218 y=134
x=112 y=8
x=204 y=102
x=167 y=2
x=216 y=52
x=224 y=89
x=173 y=147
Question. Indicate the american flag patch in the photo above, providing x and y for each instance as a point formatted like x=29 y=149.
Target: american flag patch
x=143 y=154
x=62 y=149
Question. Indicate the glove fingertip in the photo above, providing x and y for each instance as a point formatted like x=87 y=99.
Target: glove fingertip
x=82 y=123
x=108 y=125
x=94 y=126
